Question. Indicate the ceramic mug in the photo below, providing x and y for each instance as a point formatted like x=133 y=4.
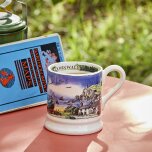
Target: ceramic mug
x=75 y=100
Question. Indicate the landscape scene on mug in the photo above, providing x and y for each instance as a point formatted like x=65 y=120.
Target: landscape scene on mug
x=80 y=98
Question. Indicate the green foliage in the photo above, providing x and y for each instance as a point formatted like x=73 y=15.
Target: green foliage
x=99 y=31
x=96 y=87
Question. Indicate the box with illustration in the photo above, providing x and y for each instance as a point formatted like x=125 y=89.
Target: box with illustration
x=23 y=71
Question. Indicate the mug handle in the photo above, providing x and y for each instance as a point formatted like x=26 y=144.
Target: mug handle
x=106 y=71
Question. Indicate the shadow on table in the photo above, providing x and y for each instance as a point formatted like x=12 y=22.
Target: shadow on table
x=51 y=142
x=141 y=130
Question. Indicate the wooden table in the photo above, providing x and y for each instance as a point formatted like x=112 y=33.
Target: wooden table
x=127 y=126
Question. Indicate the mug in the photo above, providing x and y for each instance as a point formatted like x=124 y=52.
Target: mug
x=75 y=100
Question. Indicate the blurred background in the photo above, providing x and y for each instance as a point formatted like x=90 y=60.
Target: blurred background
x=100 y=31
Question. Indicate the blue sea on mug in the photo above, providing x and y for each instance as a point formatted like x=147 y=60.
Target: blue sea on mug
x=74 y=97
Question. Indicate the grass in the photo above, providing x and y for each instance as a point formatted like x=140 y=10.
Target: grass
x=99 y=31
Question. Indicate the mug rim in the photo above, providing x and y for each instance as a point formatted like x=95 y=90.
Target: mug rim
x=100 y=69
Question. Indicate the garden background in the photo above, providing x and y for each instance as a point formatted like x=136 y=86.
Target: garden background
x=100 y=31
